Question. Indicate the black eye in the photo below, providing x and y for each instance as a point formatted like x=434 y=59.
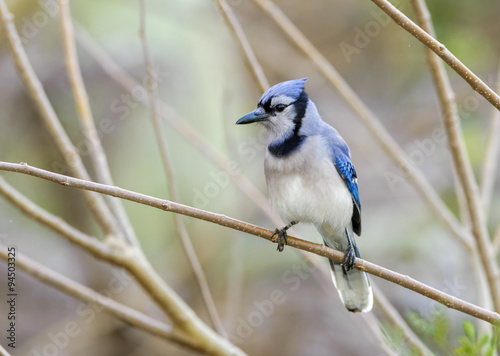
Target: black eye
x=280 y=107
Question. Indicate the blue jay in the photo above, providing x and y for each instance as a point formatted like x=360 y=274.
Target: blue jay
x=311 y=179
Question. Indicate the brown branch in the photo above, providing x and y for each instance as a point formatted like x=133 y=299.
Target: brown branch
x=180 y=226
x=142 y=273
x=391 y=314
x=3 y=352
x=97 y=155
x=460 y=158
x=428 y=40
x=51 y=121
x=87 y=295
x=393 y=150
x=118 y=252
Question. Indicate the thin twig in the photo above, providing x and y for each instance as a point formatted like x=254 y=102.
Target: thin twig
x=96 y=151
x=97 y=248
x=235 y=27
x=3 y=352
x=460 y=157
x=378 y=131
x=172 y=187
x=428 y=40
x=168 y=113
x=51 y=121
x=146 y=276
x=87 y=295
x=391 y=314
x=492 y=156
x=118 y=252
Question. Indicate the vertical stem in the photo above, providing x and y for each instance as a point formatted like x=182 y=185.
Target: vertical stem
x=172 y=186
x=97 y=155
x=460 y=158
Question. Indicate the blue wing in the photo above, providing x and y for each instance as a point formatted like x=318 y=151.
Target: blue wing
x=348 y=174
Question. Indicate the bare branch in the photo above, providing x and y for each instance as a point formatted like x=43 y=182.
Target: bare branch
x=97 y=155
x=97 y=248
x=391 y=314
x=51 y=121
x=133 y=260
x=492 y=156
x=3 y=352
x=87 y=295
x=383 y=137
x=180 y=226
x=235 y=27
x=460 y=158
x=150 y=280
x=428 y=40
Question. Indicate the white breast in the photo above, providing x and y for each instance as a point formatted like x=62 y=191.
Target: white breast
x=305 y=187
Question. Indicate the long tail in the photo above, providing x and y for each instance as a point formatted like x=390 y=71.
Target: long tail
x=353 y=286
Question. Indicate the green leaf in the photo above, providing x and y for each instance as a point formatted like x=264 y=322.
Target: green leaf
x=469 y=330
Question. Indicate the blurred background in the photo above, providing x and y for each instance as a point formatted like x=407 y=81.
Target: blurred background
x=270 y=303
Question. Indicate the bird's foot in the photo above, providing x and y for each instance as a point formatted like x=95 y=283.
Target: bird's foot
x=282 y=239
x=349 y=255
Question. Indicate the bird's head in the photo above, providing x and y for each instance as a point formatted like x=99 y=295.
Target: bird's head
x=281 y=108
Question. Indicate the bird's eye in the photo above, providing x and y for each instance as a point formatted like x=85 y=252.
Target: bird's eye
x=280 y=107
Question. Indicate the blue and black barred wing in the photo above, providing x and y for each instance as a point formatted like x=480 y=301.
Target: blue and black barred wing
x=348 y=173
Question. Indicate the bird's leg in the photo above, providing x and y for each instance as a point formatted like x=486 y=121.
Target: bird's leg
x=283 y=234
x=349 y=255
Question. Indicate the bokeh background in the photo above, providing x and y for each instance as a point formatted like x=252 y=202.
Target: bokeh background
x=203 y=76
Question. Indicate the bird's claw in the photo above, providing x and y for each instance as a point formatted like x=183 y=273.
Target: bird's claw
x=282 y=234
x=349 y=258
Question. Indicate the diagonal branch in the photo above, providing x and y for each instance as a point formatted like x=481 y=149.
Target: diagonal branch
x=51 y=121
x=245 y=47
x=393 y=150
x=180 y=226
x=146 y=276
x=492 y=156
x=460 y=158
x=87 y=295
x=97 y=155
x=116 y=251
x=428 y=40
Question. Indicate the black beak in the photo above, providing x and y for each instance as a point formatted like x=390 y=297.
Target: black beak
x=252 y=117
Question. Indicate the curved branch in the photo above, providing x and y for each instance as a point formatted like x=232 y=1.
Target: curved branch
x=51 y=121
x=87 y=295
x=97 y=155
x=460 y=158
x=473 y=80
x=321 y=250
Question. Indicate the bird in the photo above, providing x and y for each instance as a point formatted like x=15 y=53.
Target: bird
x=311 y=179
